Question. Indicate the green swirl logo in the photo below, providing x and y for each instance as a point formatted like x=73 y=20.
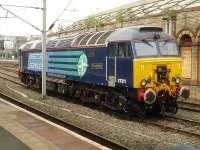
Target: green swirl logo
x=82 y=65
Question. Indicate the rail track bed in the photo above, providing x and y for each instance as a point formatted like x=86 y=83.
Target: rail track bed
x=9 y=69
x=177 y=125
x=10 y=76
x=9 y=64
x=194 y=107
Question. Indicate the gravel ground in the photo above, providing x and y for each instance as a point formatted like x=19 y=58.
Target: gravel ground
x=188 y=114
x=9 y=73
x=132 y=134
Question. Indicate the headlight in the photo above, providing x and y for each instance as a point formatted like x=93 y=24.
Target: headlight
x=143 y=83
x=185 y=92
x=178 y=80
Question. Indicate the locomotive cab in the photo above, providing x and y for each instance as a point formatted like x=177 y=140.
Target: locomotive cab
x=156 y=70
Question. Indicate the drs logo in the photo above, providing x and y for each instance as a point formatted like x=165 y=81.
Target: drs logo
x=35 y=61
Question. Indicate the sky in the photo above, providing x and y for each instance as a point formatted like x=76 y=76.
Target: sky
x=81 y=8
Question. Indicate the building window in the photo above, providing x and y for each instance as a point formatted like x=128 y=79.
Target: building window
x=186 y=53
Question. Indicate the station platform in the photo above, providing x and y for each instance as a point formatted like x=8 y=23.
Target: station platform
x=22 y=130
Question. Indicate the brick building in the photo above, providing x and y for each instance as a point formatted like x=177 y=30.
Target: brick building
x=180 y=18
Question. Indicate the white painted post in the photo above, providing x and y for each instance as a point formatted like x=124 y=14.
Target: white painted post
x=44 y=50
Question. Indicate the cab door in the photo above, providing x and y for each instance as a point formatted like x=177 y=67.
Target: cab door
x=124 y=64
x=111 y=64
x=119 y=64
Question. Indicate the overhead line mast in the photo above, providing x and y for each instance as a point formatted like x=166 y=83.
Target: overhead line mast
x=44 y=32
x=43 y=39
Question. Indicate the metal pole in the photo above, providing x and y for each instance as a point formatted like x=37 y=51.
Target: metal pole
x=44 y=51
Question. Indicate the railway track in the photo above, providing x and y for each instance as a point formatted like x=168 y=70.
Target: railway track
x=11 y=77
x=169 y=123
x=97 y=138
x=189 y=106
x=12 y=66
x=176 y=125
x=9 y=69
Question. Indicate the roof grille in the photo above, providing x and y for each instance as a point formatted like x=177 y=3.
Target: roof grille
x=151 y=29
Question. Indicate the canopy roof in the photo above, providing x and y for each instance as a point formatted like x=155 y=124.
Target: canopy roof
x=137 y=9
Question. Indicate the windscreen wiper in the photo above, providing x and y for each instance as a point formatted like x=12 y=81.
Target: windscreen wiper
x=146 y=42
x=165 y=42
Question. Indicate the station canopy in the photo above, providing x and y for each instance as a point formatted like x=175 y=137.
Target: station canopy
x=136 y=10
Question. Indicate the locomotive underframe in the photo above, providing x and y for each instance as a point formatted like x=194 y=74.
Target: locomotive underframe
x=117 y=99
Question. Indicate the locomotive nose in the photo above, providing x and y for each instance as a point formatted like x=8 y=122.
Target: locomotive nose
x=185 y=92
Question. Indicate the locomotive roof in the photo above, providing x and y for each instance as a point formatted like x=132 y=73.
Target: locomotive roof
x=97 y=39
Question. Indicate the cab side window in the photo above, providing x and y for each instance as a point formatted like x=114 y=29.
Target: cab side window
x=111 y=50
x=124 y=50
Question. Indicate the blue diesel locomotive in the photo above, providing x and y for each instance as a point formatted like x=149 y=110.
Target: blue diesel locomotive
x=135 y=69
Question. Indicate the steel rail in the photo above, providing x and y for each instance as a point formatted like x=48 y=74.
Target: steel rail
x=10 y=80
x=173 y=129
x=9 y=75
x=192 y=121
x=189 y=106
x=9 y=69
x=176 y=130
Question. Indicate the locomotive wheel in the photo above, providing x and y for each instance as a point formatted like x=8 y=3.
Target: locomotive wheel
x=141 y=114
x=123 y=103
x=78 y=93
x=162 y=110
x=173 y=109
x=116 y=101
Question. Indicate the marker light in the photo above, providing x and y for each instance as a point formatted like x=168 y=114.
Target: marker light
x=143 y=83
x=178 y=80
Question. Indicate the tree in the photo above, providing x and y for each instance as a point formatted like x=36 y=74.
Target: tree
x=120 y=16
x=60 y=28
x=169 y=15
x=90 y=21
x=168 y=12
x=20 y=41
x=99 y=23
